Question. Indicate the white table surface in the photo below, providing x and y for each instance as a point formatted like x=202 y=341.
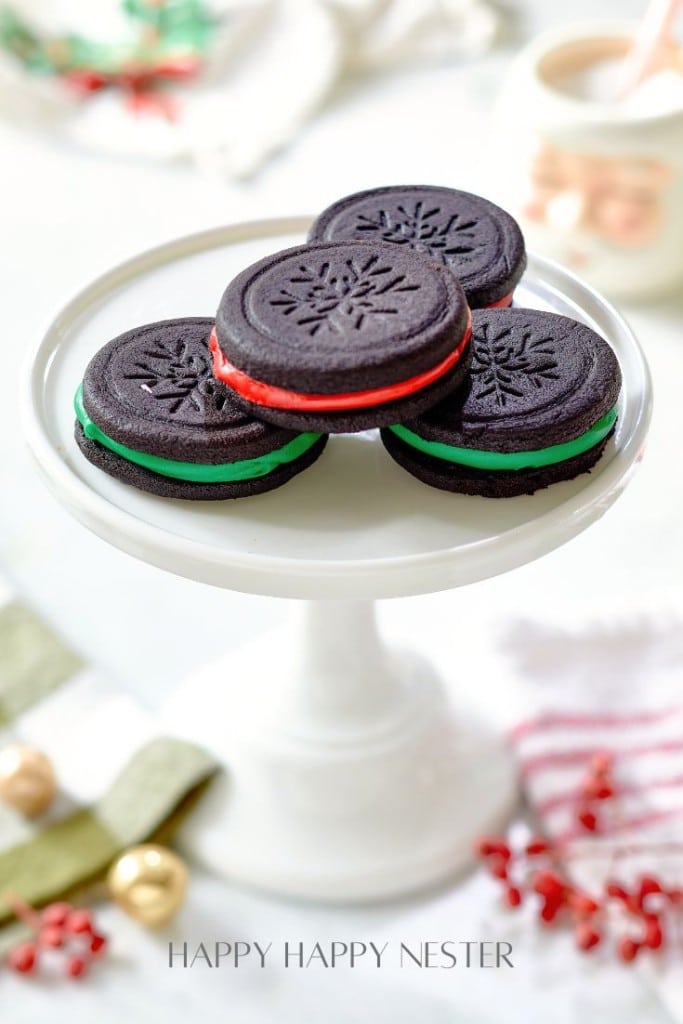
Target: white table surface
x=66 y=216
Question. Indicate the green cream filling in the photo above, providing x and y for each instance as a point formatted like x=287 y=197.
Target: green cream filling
x=197 y=472
x=478 y=459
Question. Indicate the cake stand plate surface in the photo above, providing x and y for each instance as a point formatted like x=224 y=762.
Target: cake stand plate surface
x=349 y=774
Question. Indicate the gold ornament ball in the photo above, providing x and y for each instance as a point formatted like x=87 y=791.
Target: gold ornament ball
x=27 y=779
x=149 y=883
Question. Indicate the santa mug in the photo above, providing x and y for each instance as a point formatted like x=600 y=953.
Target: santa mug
x=595 y=175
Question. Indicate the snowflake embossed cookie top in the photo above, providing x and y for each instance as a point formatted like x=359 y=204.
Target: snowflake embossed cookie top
x=175 y=372
x=341 y=336
x=425 y=228
x=150 y=413
x=539 y=406
x=509 y=365
x=326 y=297
x=477 y=240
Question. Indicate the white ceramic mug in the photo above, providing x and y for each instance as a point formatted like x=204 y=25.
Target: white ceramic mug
x=596 y=182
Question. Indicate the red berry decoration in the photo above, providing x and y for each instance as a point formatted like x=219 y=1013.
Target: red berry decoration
x=583 y=904
x=537 y=846
x=604 y=791
x=23 y=958
x=616 y=892
x=551 y=906
x=483 y=848
x=588 y=819
x=498 y=867
x=513 y=896
x=649 y=886
x=79 y=922
x=628 y=949
x=76 y=967
x=56 y=914
x=97 y=944
x=58 y=927
x=549 y=911
x=587 y=937
x=493 y=846
x=596 y=787
x=548 y=883
x=51 y=936
x=654 y=936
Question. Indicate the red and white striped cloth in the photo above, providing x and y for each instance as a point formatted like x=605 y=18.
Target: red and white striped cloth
x=608 y=681
x=555 y=749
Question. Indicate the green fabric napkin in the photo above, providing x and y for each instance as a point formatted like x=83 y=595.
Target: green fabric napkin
x=120 y=783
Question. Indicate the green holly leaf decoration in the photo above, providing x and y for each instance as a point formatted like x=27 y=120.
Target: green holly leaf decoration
x=166 y=28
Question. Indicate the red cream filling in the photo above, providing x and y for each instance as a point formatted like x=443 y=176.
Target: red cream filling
x=260 y=393
x=505 y=301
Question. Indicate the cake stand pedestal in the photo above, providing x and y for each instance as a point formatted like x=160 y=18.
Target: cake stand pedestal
x=350 y=776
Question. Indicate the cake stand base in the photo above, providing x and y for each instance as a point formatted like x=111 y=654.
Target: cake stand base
x=349 y=775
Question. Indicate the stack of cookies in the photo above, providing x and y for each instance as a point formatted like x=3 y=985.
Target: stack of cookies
x=397 y=314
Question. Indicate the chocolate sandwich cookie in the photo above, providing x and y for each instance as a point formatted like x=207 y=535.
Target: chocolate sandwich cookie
x=539 y=407
x=150 y=413
x=473 y=237
x=341 y=336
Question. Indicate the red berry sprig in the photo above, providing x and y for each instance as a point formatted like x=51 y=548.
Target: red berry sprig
x=644 y=913
x=596 y=787
x=60 y=926
x=640 y=918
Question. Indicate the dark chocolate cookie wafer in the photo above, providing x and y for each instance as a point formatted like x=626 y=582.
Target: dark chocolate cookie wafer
x=150 y=413
x=539 y=407
x=341 y=336
x=477 y=240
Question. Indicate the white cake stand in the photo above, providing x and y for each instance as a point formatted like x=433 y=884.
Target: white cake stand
x=350 y=777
